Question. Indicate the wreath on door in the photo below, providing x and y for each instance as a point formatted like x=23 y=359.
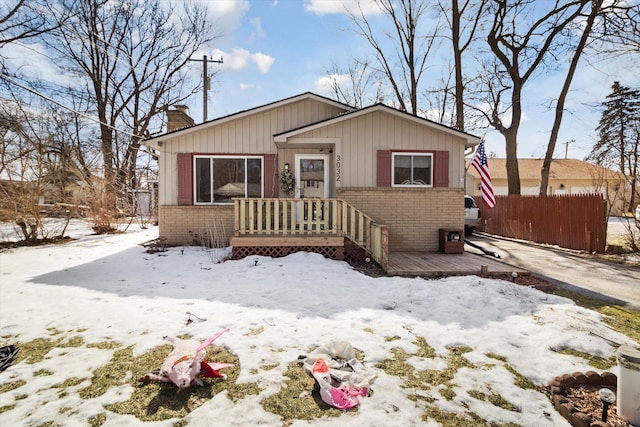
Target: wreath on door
x=287 y=182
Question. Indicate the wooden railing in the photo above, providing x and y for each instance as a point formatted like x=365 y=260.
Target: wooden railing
x=311 y=217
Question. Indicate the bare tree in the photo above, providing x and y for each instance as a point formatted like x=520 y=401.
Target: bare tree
x=524 y=38
x=463 y=18
x=132 y=55
x=401 y=53
x=358 y=86
x=24 y=19
x=596 y=10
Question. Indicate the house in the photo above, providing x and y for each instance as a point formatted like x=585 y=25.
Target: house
x=308 y=171
x=567 y=176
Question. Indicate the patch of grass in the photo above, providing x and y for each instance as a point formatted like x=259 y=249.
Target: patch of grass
x=69 y=382
x=109 y=375
x=369 y=330
x=424 y=349
x=452 y=419
x=296 y=401
x=477 y=394
x=255 y=331
x=519 y=379
x=42 y=373
x=390 y=339
x=97 y=420
x=154 y=401
x=33 y=352
x=72 y=342
x=7 y=408
x=624 y=320
x=11 y=386
x=105 y=345
x=497 y=400
x=595 y=361
x=269 y=367
x=496 y=356
x=447 y=392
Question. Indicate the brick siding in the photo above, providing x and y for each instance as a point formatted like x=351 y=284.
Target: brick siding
x=413 y=216
x=195 y=225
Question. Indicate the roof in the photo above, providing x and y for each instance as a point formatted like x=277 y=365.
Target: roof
x=560 y=169
x=472 y=140
x=240 y=114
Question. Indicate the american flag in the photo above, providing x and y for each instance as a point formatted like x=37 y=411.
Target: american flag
x=480 y=163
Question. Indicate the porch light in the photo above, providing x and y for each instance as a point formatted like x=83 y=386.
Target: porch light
x=286 y=166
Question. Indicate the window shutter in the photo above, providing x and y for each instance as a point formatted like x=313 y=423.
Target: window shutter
x=441 y=169
x=185 y=179
x=383 y=178
x=270 y=175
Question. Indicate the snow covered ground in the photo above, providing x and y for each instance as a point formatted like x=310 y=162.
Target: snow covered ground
x=109 y=287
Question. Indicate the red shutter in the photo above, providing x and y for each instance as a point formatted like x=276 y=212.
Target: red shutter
x=383 y=178
x=185 y=179
x=441 y=169
x=270 y=175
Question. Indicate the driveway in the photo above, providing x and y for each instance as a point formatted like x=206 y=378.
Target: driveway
x=609 y=281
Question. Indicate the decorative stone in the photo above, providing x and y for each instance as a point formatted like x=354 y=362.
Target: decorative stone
x=580 y=378
x=556 y=390
x=593 y=377
x=609 y=378
x=555 y=383
x=598 y=424
x=579 y=419
x=567 y=409
x=558 y=400
x=568 y=380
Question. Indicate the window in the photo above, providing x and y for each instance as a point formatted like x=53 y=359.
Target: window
x=218 y=179
x=412 y=169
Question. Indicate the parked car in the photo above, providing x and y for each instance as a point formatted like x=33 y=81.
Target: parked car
x=471 y=215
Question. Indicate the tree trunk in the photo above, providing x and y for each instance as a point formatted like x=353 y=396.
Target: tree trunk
x=553 y=137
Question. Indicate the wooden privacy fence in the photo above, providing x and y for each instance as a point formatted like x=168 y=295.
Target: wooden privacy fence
x=569 y=221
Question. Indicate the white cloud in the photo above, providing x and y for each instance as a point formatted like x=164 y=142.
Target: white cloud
x=325 y=84
x=239 y=59
x=258 y=31
x=324 y=7
x=263 y=61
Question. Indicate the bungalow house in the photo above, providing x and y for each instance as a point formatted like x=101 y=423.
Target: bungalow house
x=567 y=176
x=311 y=173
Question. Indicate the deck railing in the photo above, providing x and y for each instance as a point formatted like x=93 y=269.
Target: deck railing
x=307 y=217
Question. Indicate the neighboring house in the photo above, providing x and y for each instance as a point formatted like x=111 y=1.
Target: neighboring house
x=350 y=167
x=567 y=176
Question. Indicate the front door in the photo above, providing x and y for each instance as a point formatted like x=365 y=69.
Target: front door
x=312 y=178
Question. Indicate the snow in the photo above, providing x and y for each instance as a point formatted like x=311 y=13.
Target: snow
x=109 y=287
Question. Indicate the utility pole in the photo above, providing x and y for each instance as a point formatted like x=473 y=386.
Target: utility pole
x=566 y=147
x=206 y=82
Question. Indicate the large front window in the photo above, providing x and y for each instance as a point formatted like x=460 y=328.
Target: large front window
x=412 y=169
x=218 y=179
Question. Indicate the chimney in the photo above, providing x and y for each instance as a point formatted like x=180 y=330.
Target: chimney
x=178 y=118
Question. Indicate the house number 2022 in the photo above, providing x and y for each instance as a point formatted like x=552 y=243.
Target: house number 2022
x=338 y=168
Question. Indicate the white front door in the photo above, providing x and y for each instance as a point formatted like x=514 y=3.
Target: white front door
x=312 y=176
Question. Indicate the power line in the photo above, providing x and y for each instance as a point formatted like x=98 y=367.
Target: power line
x=86 y=116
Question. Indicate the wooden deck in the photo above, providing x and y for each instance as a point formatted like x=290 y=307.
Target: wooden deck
x=436 y=264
